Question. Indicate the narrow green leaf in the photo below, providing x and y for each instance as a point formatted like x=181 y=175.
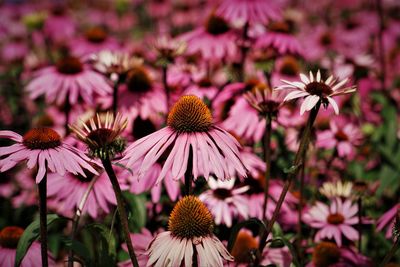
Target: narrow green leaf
x=136 y=211
x=31 y=234
x=81 y=250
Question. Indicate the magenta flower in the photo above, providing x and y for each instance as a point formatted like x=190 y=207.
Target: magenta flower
x=43 y=147
x=70 y=80
x=189 y=131
x=66 y=193
x=387 y=220
x=315 y=90
x=249 y=11
x=334 y=220
x=9 y=238
x=342 y=138
x=214 y=41
x=225 y=202
x=140 y=241
x=189 y=233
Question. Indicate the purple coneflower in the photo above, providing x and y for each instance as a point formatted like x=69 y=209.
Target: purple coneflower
x=190 y=138
x=314 y=89
x=189 y=233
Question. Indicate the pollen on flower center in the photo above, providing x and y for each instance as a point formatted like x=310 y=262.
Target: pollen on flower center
x=96 y=35
x=69 y=65
x=216 y=25
x=190 y=114
x=41 y=138
x=335 y=218
x=319 y=88
x=325 y=254
x=10 y=236
x=190 y=218
x=138 y=80
x=244 y=243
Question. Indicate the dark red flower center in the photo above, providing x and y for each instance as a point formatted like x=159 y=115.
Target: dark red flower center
x=279 y=26
x=250 y=84
x=96 y=35
x=290 y=66
x=222 y=193
x=138 y=80
x=335 y=218
x=319 y=88
x=216 y=25
x=326 y=39
x=190 y=218
x=69 y=65
x=205 y=82
x=41 y=138
x=101 y=136
x=341 y=136
x=190 y=114
x=325 y=254
x=10 y=236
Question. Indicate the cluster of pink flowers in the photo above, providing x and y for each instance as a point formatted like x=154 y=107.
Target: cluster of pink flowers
x=200 y=107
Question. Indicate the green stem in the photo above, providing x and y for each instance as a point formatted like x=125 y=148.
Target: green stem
x=121 y=209
x=43 y=219
x=390 y=253
x=300 y=209
x=298 y=161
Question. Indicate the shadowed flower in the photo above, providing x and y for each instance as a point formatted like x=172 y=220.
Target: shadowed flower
x=140 y=242
x=102 y=134
x=189 y=138
x=314 y=90
x=334 y=220
x=248 y=11
x=189 y=233
x=225 y=202
x=43 y=147
x=9 y=238
x=68 y=80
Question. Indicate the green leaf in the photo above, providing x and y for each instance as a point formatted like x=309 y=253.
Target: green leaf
x=107 y=234
x=237 y=227
x=105 y=245
x=136 y=211
x=31 y=234
x=81 y=250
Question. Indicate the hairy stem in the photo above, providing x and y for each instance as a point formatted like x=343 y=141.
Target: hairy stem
x=77 y=216
x=67 y=111
x=189 y=174
x=165 y=83
x=298 y=161
x=391 y=253
x=115 y=97
x=43 y=218
x=267 y=157
x=300 y=208
x=121 y=209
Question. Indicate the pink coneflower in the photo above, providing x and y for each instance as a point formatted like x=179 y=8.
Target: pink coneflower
x=59 y=19
x=43 y=147
x=9 y=238
x=248 y=11
x=95 y=40
x=224 y=201
x=190 y=138
x=190 y=232
x=280 y=39
x=66 y=193
x=388 y=220
x=315 y=90
x=70 y=80
x=333 y=220
x=214 y=41
x=343 y=138
x=329 y=254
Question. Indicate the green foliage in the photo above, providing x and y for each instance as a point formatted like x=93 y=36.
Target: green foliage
x=136 y=210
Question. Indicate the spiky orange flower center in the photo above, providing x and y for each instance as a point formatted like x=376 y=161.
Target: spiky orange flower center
x=319 y=88
x=10 y=236
x=69 y=65
x=216 y=25
x=325 y=254
x=190 y=114
x=138 y=80
x=244 y=243
x=190 y=218
x=96 y=35
x=335 y=218
x=41 y=138
x=290 y=66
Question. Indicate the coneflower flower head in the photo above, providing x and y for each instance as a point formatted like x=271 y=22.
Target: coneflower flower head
x=325 y=254
x=314 y=89
x=264 y=100
x=102 y=135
